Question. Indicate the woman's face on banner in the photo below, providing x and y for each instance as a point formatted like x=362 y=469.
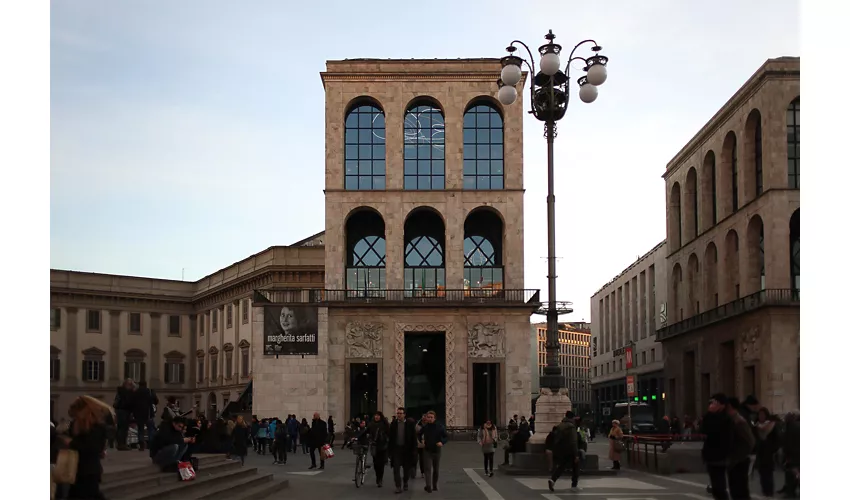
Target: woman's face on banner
x=287 y=319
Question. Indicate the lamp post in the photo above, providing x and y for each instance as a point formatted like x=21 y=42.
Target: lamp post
x=550 y=97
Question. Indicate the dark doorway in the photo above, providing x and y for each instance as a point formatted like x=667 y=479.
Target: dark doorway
x=362 y=389
x=425 y=374
x=485 y=393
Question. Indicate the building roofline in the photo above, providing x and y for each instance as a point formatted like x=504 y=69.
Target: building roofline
x=777 y=67
x=305 y=240
x=631 y=266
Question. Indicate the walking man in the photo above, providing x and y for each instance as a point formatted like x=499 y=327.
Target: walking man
x=565 y=451
x=719 y=434
x=433 y=436
x=402 y=449
x=743 y=444
x=317 y=437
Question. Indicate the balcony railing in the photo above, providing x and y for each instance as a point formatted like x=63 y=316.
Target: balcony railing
x=416 y=297
x=776 y=297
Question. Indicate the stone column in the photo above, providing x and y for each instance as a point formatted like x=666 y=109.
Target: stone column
x=72 y=371
x=394 y=224
x=113 y=367
x=156 y=349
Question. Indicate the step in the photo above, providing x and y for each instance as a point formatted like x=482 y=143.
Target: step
x=236 y=489
x=264 y=490
x=157 y=477
x=119 y=472
x=183 y=489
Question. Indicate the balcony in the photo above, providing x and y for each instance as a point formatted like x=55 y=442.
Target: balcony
x=779 y=297
x=441 y=297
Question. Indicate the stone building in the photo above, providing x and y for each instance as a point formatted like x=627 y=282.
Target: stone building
x=629 y=309
x=190 y=340
x=574 y=361
x=423 y=304
x=733 y=250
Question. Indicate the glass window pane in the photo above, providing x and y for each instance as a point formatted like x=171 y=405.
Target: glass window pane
x=496 y=151
x=469 y=136
x=483 y=167
x=483 y=120
x=350 y=182
x=351 y=120
x=379 y=182
x=409 y=182
x=469 y=182
x=425 y=182
x=365 y=182
x=483 y=152
x=351 y=152
x=365 y=168
x=409 y=152
x=378 y=137
x=365 y=136
x=379 y=167
x=378 y=121
x=469 y=119
x=378 y=152
x=438 y=182
x=496 y=167
x=468 y=167
x=483 y=182
x=438 y=152
x=365 y=152
x=496 y=136
x=350 y=167
x=409 y=167
x=483 y=136
x=495 y=120
x=438 y=167
x=424 y=152
x=497 y=182
x=350 y=136
x=469 y=151
x=423 y=121
x=424 y=167
x=365 y=120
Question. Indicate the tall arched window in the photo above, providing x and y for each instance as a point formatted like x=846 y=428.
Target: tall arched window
x=424 y=244
x=482 y=250
x=713 y=173
x=795 y=250
x=424 y=146
x=675 y=216
x=483 y=148
x=366 y=253
x=733 y=165
x=758 y=158
x=365 y=148
x=691 y=213
x=793 y=126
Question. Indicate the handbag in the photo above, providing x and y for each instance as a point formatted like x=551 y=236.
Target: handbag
x=327 y=452
x=67 y=462
x=185 y=471
x=619 y=447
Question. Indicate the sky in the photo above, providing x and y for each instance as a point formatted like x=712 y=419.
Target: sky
x=179 y=130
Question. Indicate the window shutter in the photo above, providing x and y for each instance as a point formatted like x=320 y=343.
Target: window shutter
x=85 y=374
x=142 y=374
x=126 y=370
x=182 y=371
x=101 y=372
x=167 y=374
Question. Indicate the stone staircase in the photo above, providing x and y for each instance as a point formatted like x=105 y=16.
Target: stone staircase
x=130 y=475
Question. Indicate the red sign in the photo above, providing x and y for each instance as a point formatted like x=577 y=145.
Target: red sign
x=628 y=358
x=630 y=385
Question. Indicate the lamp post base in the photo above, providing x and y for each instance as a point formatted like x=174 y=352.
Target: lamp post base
x=550 y=409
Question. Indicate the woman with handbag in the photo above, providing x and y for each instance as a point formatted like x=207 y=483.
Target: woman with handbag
x=487 y=439
x=615 y=446
x=88 y=441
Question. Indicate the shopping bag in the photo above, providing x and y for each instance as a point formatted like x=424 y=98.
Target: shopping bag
x=187 y=473
x=65 y=471
x=327 y=452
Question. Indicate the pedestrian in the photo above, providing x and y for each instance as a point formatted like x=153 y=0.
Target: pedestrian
x=303 y=434
x=144 y=404
x=433 y=437
x=791 y=452
x=402 y=449
x=565 y=451
x=89 y=417
x=280 y=444
x=262 y=436
x=488 y=439
x=255 y=427
x=241 y=435
x=767 y=444
x=615 y=444
x=718 y=429
x=317 y=437
x=294 y=430
x=379 y=436
x=123 y=404
x=738 y=463
x=331 y=430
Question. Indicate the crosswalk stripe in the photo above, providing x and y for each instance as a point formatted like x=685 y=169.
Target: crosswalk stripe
x=485 y=487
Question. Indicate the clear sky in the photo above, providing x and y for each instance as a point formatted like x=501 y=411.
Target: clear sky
x=190 y=135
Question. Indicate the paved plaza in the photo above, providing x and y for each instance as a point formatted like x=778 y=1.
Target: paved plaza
x=462 y=477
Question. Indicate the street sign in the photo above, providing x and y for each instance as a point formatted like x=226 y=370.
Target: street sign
x=630 y=385
x=606 y=411
x=628 y=358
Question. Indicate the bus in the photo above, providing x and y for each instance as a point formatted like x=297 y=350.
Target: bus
x=643 y=417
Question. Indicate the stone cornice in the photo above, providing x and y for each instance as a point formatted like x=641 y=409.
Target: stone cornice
x=453 y=76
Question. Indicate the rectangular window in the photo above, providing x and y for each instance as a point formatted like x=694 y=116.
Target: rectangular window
x=92 y=370
x=643 y=358
x=135 y=323
x=230 y=316
x=200 y=369
x=244 y=311
x=215 y=320
x=175 y=372
x=55 y=318
x=93 y=321
x=174 y=325
x=54 y=369
x=133 y=370
x=244 y=363
x=213 y=368
x=228 y=364
x=653 y=355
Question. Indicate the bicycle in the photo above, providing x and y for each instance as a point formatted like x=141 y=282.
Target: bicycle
x=360 y=465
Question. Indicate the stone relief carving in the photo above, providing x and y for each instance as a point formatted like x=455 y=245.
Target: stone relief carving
x=364 y=340
x=750 y=340
x=401 y=329
x=486 y=340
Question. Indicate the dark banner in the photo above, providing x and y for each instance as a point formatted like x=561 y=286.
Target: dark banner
x=291 y=330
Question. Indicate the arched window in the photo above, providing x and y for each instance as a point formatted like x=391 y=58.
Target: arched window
x=754 y=274
x=694 y=285
x=733 y=166
x=710 y=294
x=424 y=262
x=482 y=250
x=483 y=148
x=795 y=250
x=424 y=147
x=365 y=148
x=733 y=280
x=691 y=222
x=793 y=126
x=758 y=158
x=365 y=254
x=675 y=215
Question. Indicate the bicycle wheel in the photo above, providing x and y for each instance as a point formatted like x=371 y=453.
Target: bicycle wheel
x=363 y=469
x=358 y=473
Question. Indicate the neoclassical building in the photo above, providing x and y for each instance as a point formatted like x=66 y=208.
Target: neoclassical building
x=733 y=250
x=423 y=303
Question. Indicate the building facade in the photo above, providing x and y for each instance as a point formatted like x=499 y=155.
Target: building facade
x=733 y=234
x=190 y=340
x=627 y=311
x=574 y=360
x=423 y=303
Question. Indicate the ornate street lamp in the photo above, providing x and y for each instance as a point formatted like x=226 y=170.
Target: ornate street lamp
x=550 y=96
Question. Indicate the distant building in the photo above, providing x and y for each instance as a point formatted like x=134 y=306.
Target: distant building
x=574 y=339
x=628 y=309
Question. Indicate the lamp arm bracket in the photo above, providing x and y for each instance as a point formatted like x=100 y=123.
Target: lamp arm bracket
x=573 y=57
x=529 y=62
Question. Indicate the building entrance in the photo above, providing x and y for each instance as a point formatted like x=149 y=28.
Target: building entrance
x=425 y=374
x=485 y=393
x=362 y=389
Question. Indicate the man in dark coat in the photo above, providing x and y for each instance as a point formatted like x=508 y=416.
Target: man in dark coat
x=402 y=449
x=123 y=405
x=169 y=445
x=719 y=434
x=317 y=438
x=565 y=450
x=144 y=400
x=743 y=445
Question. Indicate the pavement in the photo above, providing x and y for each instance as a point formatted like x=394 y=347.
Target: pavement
x=462 y=477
